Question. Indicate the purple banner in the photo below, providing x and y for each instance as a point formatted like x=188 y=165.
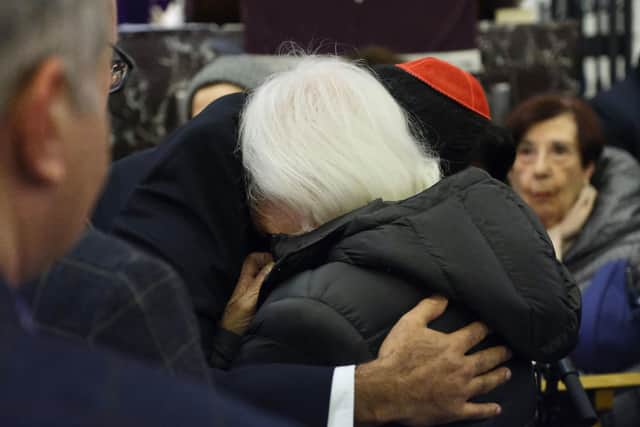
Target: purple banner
x=137 y=11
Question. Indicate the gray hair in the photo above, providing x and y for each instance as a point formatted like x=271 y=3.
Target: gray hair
x=326 y=138
x=33 y=30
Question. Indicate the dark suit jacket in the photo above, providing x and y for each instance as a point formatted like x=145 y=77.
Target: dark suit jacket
x=106 y=293
x=619 y=111
x=47 y=382
x=124 y=175
x=187 y=206
x=189 y=209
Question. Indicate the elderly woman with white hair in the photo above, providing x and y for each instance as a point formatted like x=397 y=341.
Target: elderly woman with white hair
x=363 y=229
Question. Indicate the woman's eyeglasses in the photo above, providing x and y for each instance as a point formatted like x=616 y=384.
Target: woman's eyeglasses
x=121 y=67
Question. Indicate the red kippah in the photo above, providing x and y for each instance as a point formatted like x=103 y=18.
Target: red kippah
x=451 y=81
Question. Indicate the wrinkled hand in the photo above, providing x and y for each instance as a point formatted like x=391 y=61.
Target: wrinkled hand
x=241 y=307
x=423 y=377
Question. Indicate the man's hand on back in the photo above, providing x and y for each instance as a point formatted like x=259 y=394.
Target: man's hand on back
x=423 y=377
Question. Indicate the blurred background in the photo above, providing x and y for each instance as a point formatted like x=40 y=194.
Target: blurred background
x=516 y=48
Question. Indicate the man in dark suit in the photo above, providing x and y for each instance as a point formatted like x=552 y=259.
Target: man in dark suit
x=53 y=144
x=46 y=382
x=53 y=129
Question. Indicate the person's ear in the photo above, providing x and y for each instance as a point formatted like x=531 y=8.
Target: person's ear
x=40 y=108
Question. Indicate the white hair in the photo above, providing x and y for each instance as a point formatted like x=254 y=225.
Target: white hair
x=326 y=138
x=32 y=30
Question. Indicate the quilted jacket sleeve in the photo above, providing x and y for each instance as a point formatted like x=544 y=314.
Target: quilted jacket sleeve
x=302 y=330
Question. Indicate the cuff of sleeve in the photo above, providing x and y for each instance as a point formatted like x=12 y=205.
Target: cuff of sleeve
x=341 y=405
x=225 y=347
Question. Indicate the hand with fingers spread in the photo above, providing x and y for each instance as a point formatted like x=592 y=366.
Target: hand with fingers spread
x=424 y=377
x=242 y=305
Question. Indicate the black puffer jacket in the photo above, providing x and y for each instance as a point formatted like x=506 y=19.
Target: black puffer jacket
x=335 y=293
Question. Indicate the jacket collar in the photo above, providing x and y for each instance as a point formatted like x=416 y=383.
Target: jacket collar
x=283 y=246
x=294 y=254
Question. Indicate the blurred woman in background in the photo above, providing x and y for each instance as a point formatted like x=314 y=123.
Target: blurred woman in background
x=587 y=196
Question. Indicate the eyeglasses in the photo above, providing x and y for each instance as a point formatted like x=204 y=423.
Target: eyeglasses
x=121 y=66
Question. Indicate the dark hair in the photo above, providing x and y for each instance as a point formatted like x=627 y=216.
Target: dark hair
x=543 y=107
x=461 y=137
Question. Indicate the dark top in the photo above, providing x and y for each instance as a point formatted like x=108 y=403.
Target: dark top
x=335 y=293
x=619 y=109
x=189 y=209
x=49 y=382
x=109 y=294
x=124 y=176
